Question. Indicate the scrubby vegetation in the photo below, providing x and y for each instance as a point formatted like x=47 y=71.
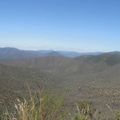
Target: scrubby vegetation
x=36 y=107
x=49 y=107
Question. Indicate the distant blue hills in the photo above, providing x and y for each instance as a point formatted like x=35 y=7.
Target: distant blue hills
x=14 y=53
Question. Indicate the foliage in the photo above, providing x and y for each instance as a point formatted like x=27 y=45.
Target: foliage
x=37 y=107
x=85 y=111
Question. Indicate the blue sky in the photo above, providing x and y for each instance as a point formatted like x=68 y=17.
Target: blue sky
x=79 y=25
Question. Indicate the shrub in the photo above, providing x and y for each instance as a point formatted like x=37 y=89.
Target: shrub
x=37 y=107
x=85 y=111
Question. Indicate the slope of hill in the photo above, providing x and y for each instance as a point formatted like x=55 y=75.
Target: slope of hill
x=110 y=58
x=15 y=79
x=88 y=77
x=81 y=69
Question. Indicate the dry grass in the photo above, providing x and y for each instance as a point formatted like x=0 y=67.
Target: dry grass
x=37 y=107
x=46 y=107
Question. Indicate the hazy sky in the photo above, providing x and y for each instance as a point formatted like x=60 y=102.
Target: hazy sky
x=80 y=25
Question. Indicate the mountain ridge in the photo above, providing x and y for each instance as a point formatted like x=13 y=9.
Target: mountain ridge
x=14 y=53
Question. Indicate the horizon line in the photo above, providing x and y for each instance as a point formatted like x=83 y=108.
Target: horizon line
x=62 y=50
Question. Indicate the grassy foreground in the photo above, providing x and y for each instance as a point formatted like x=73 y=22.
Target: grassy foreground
x=45 y=107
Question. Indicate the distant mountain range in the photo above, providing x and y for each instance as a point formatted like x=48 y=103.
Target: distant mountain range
x=80 y=76
x=14 y=53
x=66 y=68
